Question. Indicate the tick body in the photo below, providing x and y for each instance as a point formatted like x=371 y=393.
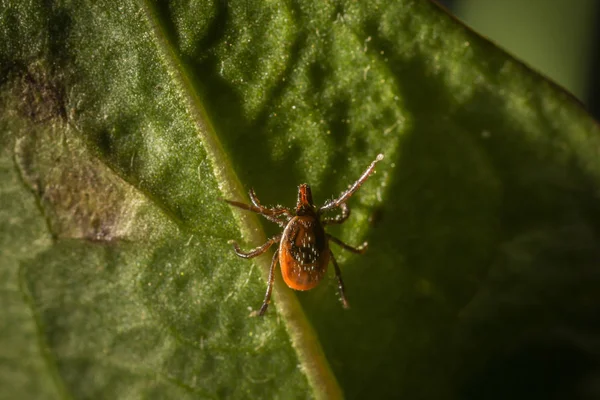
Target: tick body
x=303 y=251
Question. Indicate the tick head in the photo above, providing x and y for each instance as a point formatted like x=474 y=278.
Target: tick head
x=305 y=201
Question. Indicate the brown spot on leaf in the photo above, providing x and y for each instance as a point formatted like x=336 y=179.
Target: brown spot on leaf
x=41 y=95
x=81 y=197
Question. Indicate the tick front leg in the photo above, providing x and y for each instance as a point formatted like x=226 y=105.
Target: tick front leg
x=338 y=275
x=275 y=211
x=268 y=214
x=267 y=299
x=355 y=186
x=339 y=218
x=358 y=250
x=257 y=251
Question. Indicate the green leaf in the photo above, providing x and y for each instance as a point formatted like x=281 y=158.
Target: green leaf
x=124 y=124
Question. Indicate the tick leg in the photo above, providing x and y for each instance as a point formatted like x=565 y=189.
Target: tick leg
x=270 y=214
x=355 y=186
x=243 y=206
x=339 y=218
x=338 y=275
x=359 y=250
x=257 y=251
x=267 y=299
x=275 y=211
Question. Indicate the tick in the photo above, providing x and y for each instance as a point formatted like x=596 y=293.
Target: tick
x=304 y=252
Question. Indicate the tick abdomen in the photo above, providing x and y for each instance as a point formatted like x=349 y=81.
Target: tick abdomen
x=303 y=253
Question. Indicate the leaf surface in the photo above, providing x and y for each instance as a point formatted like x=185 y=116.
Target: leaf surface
x=123 y=125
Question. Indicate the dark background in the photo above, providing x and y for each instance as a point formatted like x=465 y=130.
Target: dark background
x=560 y=38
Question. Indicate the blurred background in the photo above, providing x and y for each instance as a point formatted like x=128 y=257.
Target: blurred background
x=559 y=38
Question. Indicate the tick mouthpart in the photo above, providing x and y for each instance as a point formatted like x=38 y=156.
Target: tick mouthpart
x=304 y=197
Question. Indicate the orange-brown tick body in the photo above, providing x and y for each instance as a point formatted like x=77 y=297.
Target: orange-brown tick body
x=304 y=252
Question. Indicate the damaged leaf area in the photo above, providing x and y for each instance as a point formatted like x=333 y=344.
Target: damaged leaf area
x=80 y=197
x=123 y=126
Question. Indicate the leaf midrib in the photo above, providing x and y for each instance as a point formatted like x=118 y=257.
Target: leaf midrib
x=303 y=338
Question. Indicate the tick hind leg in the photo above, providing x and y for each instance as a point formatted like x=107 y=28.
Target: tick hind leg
x=267 y=300
x=257 y=251
x=338 y=275
x=358 y=250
